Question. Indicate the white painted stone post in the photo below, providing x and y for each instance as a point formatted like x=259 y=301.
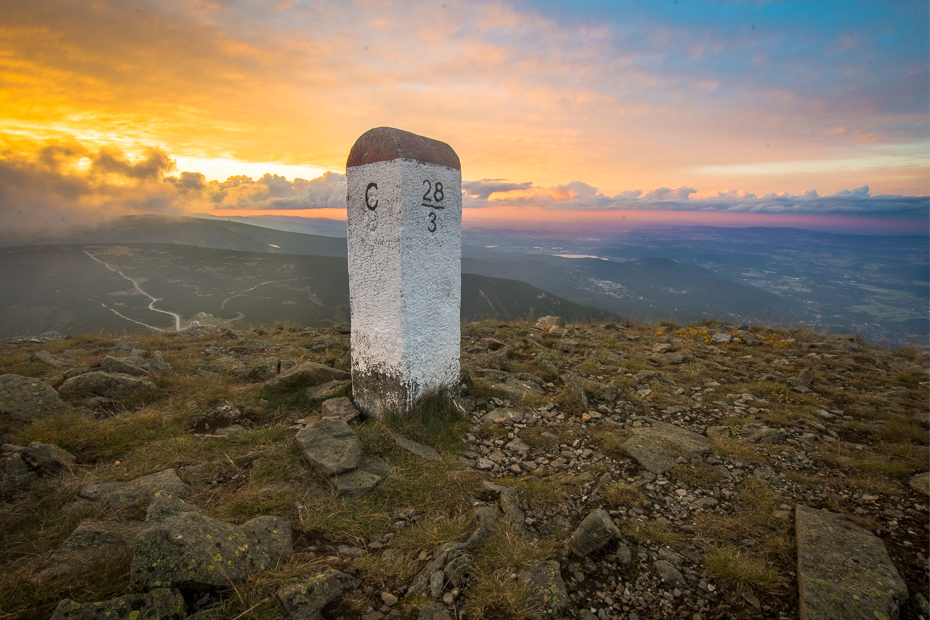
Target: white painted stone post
x=404 y=220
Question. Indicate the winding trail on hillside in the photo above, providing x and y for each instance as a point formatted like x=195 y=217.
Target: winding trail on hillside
x=177 y=318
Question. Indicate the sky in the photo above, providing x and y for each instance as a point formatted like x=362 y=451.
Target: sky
x=805 y=114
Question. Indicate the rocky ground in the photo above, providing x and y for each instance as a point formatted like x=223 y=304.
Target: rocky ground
x=609 y=471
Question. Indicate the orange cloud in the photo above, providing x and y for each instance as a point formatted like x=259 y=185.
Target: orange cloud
x=64 y=184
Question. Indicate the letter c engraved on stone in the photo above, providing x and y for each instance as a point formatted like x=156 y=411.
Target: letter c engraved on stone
x=368 y=198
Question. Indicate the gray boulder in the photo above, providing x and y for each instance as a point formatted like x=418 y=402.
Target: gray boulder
x=52 y=360
x=89 y=544
x=107 y=384
x=331 y=446
x=573 y=398
x=665 y=359
x=305 y=600
x=218 y=366
x=503 y=415
x=259 y=370
x=447 y=555
x=159 y=604
x=547 y=322
x=566 y=345
x=47 y=458
x=27 y=399
x=328 y=390
x=15 y=477
x=25 y=465
x=548 y=595
x=510 y=504
x=514 y=389
x=658 y=447
x=181 y=547
x=485 y=520
x=307 y=374
x=920 y=483
x=843 y=570
x=352 y=485
x=596 y=531
x=120 y=494
x=670 y=575
x=325 y=342
x=497 y=360
x=137 y=365
x=340 y=408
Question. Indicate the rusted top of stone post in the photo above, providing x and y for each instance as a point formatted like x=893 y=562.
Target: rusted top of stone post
x=387 y=143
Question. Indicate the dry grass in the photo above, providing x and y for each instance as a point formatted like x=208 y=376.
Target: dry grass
x=731 y=564
x=734 y=448
x=622 y=494
x=609 y=441
x=700 y=476
x=493 y=593
x=653 y=532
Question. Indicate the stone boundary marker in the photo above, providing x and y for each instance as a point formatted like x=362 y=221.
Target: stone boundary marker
x=404 y=221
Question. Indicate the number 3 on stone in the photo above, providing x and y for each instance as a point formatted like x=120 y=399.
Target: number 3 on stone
x=432 y=222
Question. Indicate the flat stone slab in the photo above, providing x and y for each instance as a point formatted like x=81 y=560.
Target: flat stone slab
x=181 y=547
x=502 y=415
x=330 y=445
x=89 y=544
x=134 y=364
x=843 y=570
x=119 y=494
x=548 y=595
x=657 y=447
x=422 y=451
x=106 y=384
x=158 y=604
x=307 y=374
x=305 y=600
x=665 y=359
x=340 y=409
x=52 y=360
x=328 y=390
x=259 y=370
x=513 y=389
x=27 y=399
x=921 y=483
x=353 y=485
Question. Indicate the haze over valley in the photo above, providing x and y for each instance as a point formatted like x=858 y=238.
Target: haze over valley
x=138 y=272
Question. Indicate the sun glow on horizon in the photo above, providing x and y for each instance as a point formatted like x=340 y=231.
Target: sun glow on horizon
x=220 y=169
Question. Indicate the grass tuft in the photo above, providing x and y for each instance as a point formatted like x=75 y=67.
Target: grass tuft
x=434 y=420
x=730 y=564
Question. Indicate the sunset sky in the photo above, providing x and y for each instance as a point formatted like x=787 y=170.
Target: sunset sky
x=807 y=114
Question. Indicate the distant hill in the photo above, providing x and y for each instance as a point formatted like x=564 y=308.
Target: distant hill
x=290 y=223
x=82 y=288
x=198 y=232
x=877 y=286
x=647 y=289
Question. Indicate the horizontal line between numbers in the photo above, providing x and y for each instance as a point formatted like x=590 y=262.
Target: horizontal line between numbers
x=432 y=206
